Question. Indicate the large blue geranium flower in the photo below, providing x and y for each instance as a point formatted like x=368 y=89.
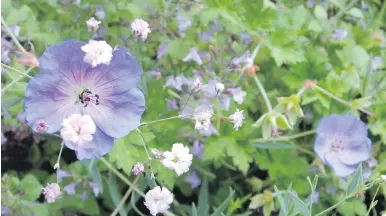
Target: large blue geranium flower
x=67 y=85
x=342 y=143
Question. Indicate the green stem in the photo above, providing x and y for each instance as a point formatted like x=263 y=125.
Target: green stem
x=13 y=37
x=190 y=95
x=15 y=81
x=342 y=11
x=57 y=165
x=174 y=94
x=159 y=120
x=349 y=104
x=372 y=201
x=264 y=93
x=124 y=198
x=379 y=19
x=281 y=138
x=300 y=92
x=334 y=206
x=144 y=144
x=127 y=181
x=14 y=69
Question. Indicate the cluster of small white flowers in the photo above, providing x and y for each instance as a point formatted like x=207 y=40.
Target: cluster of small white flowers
x=203 y=120
x=78 y=129
x=237 y=118
x=158 y=200
x=97 y=52
x=93 y=24
x=179 y=159
x=140 y=28
x=52 y=192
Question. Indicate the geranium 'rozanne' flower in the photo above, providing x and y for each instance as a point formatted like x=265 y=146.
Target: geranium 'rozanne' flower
x=237 y=118
x=340 y=34
x=179 y=159
x=193 y=56
x=192 y=179
x=97 y=52
x=52 y=192
x=342 y=143
x=67 y=85
x=158 y=200
x=140 y=28
x=238 y=94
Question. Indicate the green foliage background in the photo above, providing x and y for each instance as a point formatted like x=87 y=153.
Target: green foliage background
x=297 y=46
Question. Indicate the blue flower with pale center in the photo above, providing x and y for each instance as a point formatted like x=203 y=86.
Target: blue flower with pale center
x=342 y=143
x=67 y=85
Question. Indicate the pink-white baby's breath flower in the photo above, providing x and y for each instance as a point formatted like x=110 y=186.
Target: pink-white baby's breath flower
x=138 y=168
x=140 y=28
x=158 y=200
x=179 y=159
x=203 y=120
x=97 y=52
x=93 y=24
x=197 y=85
x=237 y=119
x=41 y=126
x=78 y=129
x=52 y=192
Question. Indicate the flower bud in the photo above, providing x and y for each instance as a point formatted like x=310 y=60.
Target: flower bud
x=138 y=168
x=219 y=87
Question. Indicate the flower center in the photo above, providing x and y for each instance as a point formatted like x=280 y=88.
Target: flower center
x=336 y=145
x=87 y=97
x=175 y=159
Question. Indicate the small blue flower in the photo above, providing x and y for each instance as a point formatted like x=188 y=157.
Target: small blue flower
x=198 y=149
x=67 y=85
x=342 y=143
x=376 y=63
x=340 y=34
x=193 y=179
x=70 y=189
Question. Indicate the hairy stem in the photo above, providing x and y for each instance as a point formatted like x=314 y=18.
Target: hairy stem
x=372 y=201
x=14 y=69
x=159 y=120
x=334 y=206
x=15 y=81
x=264 y=93
x=57 y=165
x=340 y=100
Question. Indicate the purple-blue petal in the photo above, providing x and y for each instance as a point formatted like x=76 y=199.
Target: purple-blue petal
x=356 y=154
x=100 y=145
x=340 y=169
x=47 y=99
x=120 y=113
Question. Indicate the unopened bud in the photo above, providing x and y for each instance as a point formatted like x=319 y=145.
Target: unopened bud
x=219 y=87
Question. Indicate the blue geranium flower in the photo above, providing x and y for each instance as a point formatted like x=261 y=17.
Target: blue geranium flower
x=67 y=85
x=342 y=143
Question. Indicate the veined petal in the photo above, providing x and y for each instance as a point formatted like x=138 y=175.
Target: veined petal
x=48 y=98
x=100 y=145
x=356 y=154
x=122 y=74
x=120 y=113
x=340 y=169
